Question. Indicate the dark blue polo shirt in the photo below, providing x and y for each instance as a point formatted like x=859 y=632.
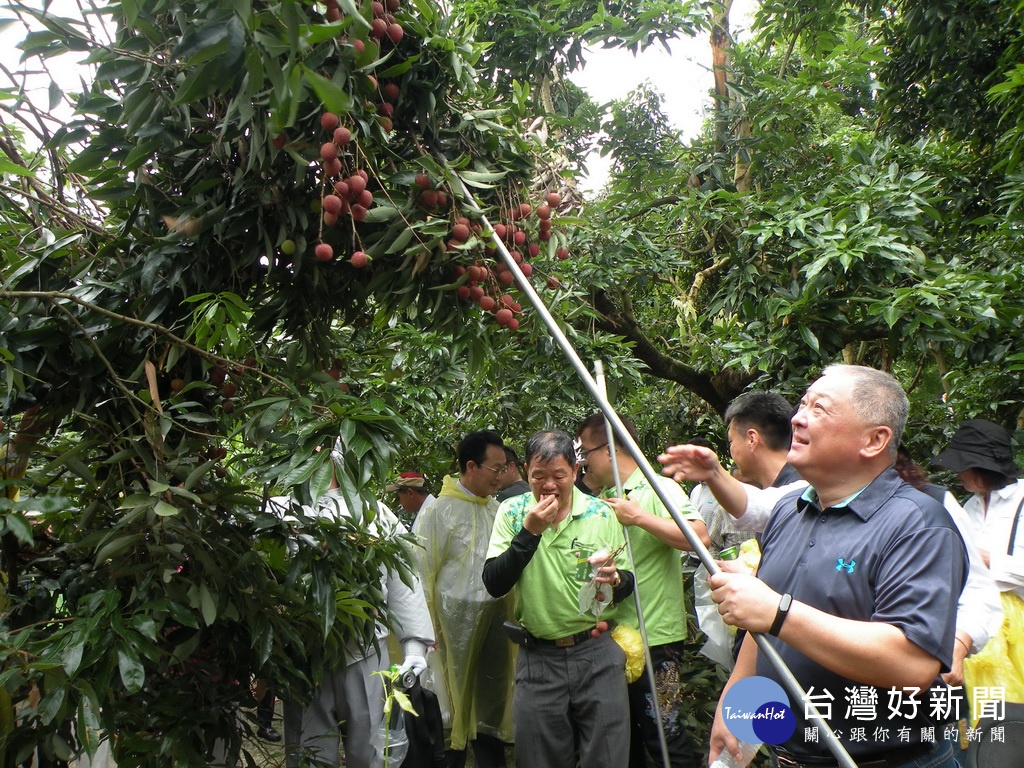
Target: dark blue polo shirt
x=890 y=554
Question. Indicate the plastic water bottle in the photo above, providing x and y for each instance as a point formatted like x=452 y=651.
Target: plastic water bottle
x=725 y=758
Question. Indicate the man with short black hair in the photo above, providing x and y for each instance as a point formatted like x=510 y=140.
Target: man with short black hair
x=570 y=679
x=655 y=541
x=476 y=658
x=512 y=483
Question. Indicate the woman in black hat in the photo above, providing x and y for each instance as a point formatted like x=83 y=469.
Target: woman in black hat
x=981 y=455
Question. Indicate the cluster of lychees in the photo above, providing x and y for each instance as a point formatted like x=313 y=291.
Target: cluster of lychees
x=484 y=284
x=348 y=195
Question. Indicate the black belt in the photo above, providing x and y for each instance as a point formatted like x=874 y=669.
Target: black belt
x=889 y=759
x=560 y=642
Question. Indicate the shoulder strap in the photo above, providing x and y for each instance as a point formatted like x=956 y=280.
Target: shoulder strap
x=1013 y=530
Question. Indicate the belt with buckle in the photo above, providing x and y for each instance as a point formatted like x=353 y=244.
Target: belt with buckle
x=888 y=759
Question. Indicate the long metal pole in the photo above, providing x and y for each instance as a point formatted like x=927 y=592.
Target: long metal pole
x=789 y=681
x=648 y=662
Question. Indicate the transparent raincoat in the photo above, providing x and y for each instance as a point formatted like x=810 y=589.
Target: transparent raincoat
x=476 y=656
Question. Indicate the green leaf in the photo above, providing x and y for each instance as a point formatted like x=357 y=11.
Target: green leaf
x=163 y=509
x=208 y=605
x=333 y=97
x=133 y=675
x=9 y=166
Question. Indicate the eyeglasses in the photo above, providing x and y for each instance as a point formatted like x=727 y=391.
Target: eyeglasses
x=497 y=470
x=584 y=454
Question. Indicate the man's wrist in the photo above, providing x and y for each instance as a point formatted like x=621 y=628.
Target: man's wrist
x=785 y=602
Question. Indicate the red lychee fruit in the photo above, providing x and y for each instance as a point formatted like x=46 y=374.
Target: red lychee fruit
x=562 y=253
x=378 y=28
x=279 y=141
x=365 y=199
x=386 y=125
x=512 y=324
x=359 y=45
x=393 y=5
x=378 y=9
x=527 y=269
x=543 y=212
x=385 y=108
x=525 y=210
x=460 y=232
x=331 y=204
x=554 y=199
x=324 y=252
x=428 y=198
x=486 y=303
x=463 y=292
x=519 y=238
x=356 y=184
x=533 y=250
x=358 y=212
x=329 y=151
x=332 y=167
x=358 y=259
x=395 y=33
x=342 y=136
x=500 y=230
x=423 y=181
x=329 y=121
x=391 y=92
x=554 y=283
x=503 y=316
x=341 y=187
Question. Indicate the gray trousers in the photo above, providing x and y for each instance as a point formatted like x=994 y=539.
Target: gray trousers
x=349 y=703
x=565 y=693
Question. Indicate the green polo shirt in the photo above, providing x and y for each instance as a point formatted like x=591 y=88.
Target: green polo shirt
x=547 y=594
x=658 y=571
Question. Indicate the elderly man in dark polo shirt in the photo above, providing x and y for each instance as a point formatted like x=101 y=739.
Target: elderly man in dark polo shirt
x=858 y=583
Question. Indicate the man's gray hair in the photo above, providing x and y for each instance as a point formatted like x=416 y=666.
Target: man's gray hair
x=550 y=445
x=878 y=399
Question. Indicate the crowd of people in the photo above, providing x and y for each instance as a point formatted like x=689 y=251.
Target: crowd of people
x=872 y=582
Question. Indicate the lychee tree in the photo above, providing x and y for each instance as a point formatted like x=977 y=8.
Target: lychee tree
x=237 y=201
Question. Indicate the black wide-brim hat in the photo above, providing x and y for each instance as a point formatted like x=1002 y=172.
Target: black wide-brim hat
x=979 y=444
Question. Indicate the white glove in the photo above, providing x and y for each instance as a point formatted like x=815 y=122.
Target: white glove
x=415 y=658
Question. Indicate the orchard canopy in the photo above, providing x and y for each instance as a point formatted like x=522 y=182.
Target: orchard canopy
x=242 y=238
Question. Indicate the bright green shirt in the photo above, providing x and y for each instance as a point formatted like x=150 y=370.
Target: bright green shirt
x=658 y=568
x=547 y=594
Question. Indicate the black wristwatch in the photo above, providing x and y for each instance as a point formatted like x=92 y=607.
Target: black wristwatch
x=781 y=614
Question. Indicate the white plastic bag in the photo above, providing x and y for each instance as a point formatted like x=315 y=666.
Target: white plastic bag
x=391 y=744
x=718 y=648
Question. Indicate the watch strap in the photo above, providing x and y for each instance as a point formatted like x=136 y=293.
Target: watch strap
x=780 y=615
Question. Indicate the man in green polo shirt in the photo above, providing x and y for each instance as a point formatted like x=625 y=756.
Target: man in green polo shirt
x=569 y=678
x=655 y=541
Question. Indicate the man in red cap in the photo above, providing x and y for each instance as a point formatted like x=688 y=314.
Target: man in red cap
x=412 y=493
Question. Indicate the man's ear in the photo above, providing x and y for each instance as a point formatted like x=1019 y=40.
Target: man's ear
x=877 y=441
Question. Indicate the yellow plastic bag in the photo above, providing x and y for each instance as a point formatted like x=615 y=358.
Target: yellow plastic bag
x=632 y=644
x=1001 y=662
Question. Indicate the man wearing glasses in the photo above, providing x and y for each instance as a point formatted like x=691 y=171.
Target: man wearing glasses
x=476 y=657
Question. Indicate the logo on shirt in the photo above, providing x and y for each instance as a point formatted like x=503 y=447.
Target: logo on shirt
x=847 y=566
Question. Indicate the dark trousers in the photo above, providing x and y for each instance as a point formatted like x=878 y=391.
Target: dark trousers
x=488 y=752
x=644 y=740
